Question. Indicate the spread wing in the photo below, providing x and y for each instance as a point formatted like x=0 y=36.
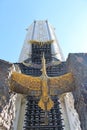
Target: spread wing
x=61 y=84
x=4 y=89
x=25 y=84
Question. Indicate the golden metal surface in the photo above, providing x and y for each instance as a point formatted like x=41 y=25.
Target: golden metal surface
x=25 y=81
x=61 y=84
x=40 y=43
x=45 y=102
x=47 y=86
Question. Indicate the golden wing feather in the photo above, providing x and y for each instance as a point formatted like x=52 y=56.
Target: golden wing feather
x=61 y=84
x=22 y=83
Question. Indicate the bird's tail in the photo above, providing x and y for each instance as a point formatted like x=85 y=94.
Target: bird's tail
x=46 y=105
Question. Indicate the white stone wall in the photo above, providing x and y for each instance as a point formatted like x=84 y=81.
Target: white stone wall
x=20 y=112
x=8 y=114
x=71 y=112
x=26 y=50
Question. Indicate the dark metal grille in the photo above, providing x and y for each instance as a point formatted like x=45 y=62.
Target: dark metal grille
x=38 y=51
x=35 y=117
x=55 y=70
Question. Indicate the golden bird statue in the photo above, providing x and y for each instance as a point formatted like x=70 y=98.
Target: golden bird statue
x=45 y=86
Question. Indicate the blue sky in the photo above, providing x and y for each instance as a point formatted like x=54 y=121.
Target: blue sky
x=69 y=17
